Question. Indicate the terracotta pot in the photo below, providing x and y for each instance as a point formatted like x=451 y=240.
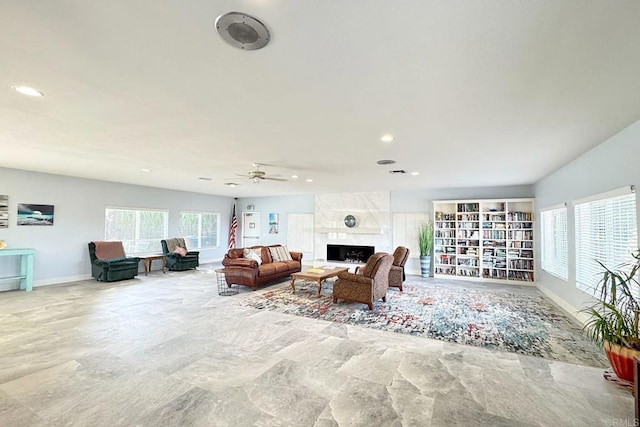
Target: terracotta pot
x=621 y=360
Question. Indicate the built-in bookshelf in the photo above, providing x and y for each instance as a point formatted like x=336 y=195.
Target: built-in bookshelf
x=484 y=239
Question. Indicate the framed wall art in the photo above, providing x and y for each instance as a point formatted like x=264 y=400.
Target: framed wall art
x=35 y=215
x=4 y=211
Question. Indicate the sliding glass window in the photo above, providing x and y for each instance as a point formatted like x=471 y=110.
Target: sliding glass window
x=200 y=230
x=140 y=230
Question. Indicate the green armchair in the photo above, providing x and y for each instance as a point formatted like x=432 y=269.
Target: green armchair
x=109 y=262
x=177 y=261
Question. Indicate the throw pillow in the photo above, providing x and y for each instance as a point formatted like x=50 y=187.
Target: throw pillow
x=280 y=253
x=252 y=254
x=180 y=251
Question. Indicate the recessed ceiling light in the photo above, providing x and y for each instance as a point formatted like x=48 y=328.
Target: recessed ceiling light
x=386 y=138
x=145 y=170
x=231 y=184
x=385 y=162
x=415 y=173
x=26 y=90
x=309 y=180
x=204 y=178
x=294 y=176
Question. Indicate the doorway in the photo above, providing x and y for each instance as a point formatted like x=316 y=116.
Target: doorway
x=250 y=229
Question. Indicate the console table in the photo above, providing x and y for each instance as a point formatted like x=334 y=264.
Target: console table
x=26 y=266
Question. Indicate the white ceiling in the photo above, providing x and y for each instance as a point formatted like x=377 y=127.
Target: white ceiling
x=477 y=93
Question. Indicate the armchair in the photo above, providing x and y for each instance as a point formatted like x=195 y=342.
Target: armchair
x=396 y=273
x=368 y=285
x=179 y=261
x=110 y=263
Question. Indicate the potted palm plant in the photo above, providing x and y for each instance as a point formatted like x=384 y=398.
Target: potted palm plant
x=425 y=244
x=613 y=317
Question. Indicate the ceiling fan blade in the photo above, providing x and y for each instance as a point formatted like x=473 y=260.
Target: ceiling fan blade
x=274 y=179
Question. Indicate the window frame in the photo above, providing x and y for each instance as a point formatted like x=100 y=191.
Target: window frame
x=556 y=262
x=618 y=252
x=199 y=236
x=128 y=243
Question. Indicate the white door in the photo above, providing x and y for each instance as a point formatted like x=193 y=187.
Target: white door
x=250 y=229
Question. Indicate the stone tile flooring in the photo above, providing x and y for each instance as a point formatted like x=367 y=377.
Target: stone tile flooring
x=166 y=350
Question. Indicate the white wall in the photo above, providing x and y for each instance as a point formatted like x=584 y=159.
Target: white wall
x=281 y=205
x=612 y=164
x=61 y=250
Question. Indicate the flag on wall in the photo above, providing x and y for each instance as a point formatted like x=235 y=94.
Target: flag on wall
x=232 y=229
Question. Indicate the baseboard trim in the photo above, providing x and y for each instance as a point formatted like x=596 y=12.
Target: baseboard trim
x=60 y=280
x=571 y=310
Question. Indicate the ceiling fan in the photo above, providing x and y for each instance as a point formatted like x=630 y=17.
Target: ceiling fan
x=257 y=175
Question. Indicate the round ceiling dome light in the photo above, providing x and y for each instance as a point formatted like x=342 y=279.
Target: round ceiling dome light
x=386 y=162
x=242 y=31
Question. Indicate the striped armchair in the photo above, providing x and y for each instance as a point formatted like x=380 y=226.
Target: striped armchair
x=368 y=285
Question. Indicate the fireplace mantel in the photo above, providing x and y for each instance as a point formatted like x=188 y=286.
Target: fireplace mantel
x=357 y=230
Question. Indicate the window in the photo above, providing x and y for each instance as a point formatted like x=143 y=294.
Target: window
x=605 y=232
x=554 y=241
x=405 y=230
x=139 y=230
x=300 y=234
x=200 y=229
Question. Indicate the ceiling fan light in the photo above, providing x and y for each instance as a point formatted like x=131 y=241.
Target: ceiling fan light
x=27 y=90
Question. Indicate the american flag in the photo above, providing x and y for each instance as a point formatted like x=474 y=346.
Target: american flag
x=232 y=229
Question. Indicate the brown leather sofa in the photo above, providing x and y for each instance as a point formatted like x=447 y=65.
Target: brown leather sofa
x=245 y=271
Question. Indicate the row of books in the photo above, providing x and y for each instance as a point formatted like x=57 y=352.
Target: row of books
x=494 y=217
x=494 y=234
x=520 y=235
x=468 y=207
x=441 y=216
x=494 y=225
x=520 y=225
x=445 y=234
x=468 y=262
x=468 y=234
x=519 y=216
x=521 y=264
x=445 y=224
x=468 y=217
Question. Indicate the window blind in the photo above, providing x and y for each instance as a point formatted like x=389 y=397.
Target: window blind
x=554 y=242
x=606 y=231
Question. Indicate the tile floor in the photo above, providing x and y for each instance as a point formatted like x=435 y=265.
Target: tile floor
x=166 y=350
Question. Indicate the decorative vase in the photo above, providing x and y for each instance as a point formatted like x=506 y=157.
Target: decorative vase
x=621 y=360
x=425 y=265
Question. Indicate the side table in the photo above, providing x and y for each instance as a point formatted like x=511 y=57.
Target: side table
x=26 y=266
x=147 y=262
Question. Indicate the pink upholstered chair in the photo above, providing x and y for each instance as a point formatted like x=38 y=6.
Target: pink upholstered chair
x=396 y=273
x=370 y=284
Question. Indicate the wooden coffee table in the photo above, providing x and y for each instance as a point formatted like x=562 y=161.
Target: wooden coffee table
x=316 y=276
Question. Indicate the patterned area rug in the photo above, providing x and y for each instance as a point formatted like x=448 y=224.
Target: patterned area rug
x=513 y=322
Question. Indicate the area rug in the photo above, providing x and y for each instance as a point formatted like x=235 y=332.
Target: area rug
x=524 y=323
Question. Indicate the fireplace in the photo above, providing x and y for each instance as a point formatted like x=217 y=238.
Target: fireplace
x=349 y=253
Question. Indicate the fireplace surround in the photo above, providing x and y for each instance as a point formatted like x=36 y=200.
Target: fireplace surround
x=349 y=253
